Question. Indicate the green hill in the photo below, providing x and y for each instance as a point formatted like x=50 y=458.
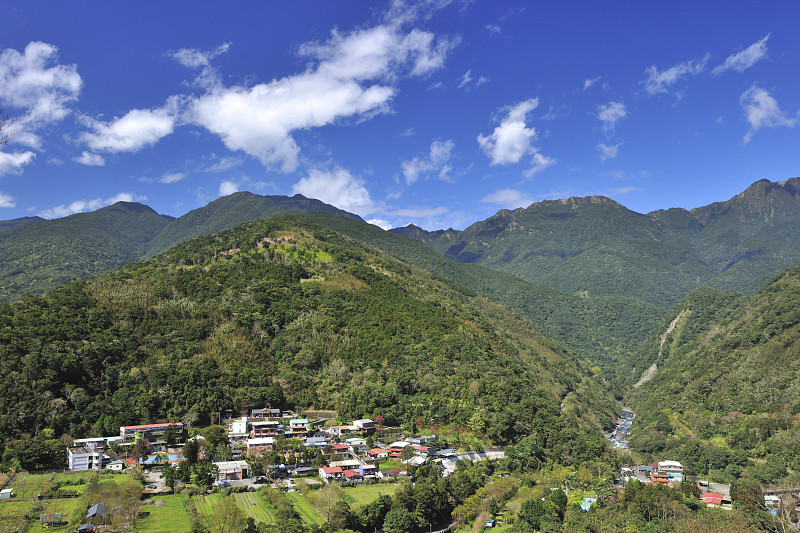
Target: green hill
x=728 y=375
x=229 y=211
x=45 y=254
x=288 y=313
x=14 y=222
x=38 y=255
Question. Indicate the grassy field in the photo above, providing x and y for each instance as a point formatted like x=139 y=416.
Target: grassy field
x=366 y=494
x=12 y=514
x=304 y=508
x=172 y=517
x=65 y=506
x=255 y=506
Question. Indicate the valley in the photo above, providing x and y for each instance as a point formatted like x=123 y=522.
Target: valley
x=526 y=333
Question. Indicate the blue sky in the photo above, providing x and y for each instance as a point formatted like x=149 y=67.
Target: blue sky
x=436 y=113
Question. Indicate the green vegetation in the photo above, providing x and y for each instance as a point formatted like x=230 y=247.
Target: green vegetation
x=196 y=331
x=727 y=387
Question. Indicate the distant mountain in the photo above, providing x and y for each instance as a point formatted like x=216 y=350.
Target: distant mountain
x=594 y=246
x=45 y=254
x=14 y=222
x=413 y=231
x=726 y=373
x=231 y=210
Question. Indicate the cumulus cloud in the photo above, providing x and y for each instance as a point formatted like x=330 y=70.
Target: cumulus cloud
x=80 y=206
x=90 y=159
x=744 y=59
x=383 y=224
x=337 y=187
x=658 y=81
x=228 y=187
x=508 y=198
x=511 y=140
x=133 y=131
x=762 y=111
x=13 y=163
x=608 y=152
x=350 y=75
x=34 y=81
x=435 y=163
x=610 y=113
x=6 y=200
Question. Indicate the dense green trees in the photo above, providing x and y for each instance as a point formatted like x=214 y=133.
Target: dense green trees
x=317 y=321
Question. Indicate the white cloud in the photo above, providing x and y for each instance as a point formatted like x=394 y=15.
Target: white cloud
x=482 y=80
x=337 y=187
x=192 y=58
x=172 y=178
x=351 y=75
x=610 y=113
x=508 y=198
x=540 y=162
x=658 y=82
x=12 y=163
x=132 y=132
x=465 y=79
x=436 y=162
x=408 y=132
x=608 y=152
x=32 y=80
x=589 y=82
x=228 y=187
x=744 y=59
x=89 y=159
x=511 y=140
x=762 y=111
x=492 y=28
x=6 y=200
x=79 y=206
x=383 y=224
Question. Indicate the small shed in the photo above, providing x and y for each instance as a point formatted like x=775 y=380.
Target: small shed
x=97 y=515
x=6 y=494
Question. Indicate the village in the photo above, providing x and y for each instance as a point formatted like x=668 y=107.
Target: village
x=320 y=451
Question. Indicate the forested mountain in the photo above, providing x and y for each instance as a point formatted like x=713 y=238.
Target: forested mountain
x=37 y=255
x=728 y=377
x=597 y=247
x=288 y=313
x=14 y=222
x=229 y=211
x=605 y=330
x=45 y=254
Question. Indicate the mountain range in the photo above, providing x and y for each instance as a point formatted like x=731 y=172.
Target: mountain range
x=587 y=272
x=594 y=246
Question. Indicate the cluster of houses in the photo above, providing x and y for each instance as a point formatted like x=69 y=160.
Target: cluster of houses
x=345 y=447
x=663 y=472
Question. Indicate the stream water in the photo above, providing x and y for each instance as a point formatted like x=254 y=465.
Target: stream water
x=619 y=435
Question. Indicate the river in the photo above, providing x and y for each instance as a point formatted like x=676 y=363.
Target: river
x=619 y=435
